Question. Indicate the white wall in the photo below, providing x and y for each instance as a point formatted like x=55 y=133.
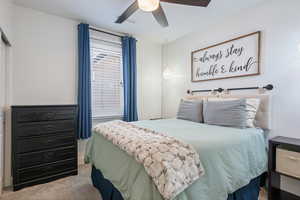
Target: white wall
x=2 y=108
x=45 y=65
x=5 y=17
x=280 y=63
x=149 y=79
x=280 y=60
x=44 y=58
x=6 y=25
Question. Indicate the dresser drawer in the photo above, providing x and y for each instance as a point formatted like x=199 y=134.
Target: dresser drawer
x=44 y=157
x=46 y=142
x=46 y=170
x=43 y=128
x=288 y=162
x=45 y=114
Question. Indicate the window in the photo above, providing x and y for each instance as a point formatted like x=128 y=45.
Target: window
x=107 y=78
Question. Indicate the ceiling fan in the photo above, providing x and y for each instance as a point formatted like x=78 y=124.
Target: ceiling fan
x=156 y=9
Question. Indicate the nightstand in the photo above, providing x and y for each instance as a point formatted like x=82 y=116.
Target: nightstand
x=284 y=160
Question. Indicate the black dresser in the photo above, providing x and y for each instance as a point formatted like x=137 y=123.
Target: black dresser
x=44 y=144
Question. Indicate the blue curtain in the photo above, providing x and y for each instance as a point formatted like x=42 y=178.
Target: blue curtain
x=129 y=78
x=84 y=85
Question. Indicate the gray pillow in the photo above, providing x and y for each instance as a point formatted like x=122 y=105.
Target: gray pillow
x=191 y=110
x=232 y=113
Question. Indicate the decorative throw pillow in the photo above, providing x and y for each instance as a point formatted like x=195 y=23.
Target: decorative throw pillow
x=230 y=113
x=252 y=106
x=191 y=110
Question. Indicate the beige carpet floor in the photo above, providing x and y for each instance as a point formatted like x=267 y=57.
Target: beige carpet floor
x=70 y=188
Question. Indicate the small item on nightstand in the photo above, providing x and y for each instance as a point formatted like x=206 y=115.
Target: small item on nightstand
x=284 y=160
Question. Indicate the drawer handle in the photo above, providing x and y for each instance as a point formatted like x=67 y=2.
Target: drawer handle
x=49 y=141
x=50 y=115
x=49 y=127
x=293 y=158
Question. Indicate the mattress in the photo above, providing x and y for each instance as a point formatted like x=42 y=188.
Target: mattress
x=231 y=158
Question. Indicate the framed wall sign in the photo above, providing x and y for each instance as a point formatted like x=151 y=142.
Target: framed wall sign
x=233 y=58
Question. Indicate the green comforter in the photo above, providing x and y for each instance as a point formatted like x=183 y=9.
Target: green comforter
x=231 y=158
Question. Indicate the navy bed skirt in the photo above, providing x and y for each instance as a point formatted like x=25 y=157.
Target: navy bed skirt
x=109 y=192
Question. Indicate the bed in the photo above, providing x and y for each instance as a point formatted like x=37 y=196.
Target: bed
x=234 y=161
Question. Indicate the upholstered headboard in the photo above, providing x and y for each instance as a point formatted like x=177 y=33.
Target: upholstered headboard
x=263 y=116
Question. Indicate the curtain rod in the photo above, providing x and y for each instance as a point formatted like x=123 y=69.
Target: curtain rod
x=106 y=32
x=267 y=87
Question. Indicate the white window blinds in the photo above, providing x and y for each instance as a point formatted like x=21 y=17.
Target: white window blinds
x=107 y=79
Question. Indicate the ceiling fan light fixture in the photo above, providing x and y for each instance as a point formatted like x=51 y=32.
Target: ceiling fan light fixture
x=148 y=5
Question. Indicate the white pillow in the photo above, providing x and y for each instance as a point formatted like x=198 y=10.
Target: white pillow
x=252 y=108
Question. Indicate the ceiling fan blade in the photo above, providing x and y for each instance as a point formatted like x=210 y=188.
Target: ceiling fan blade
x=160 y=16
x=202 y=3
x=128 y=12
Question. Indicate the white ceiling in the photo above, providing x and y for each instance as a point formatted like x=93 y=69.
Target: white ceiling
x=103 y=13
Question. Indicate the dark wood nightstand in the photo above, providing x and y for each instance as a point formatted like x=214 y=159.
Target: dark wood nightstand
x=284 y=160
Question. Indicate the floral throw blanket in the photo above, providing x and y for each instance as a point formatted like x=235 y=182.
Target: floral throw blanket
x=172 y=164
